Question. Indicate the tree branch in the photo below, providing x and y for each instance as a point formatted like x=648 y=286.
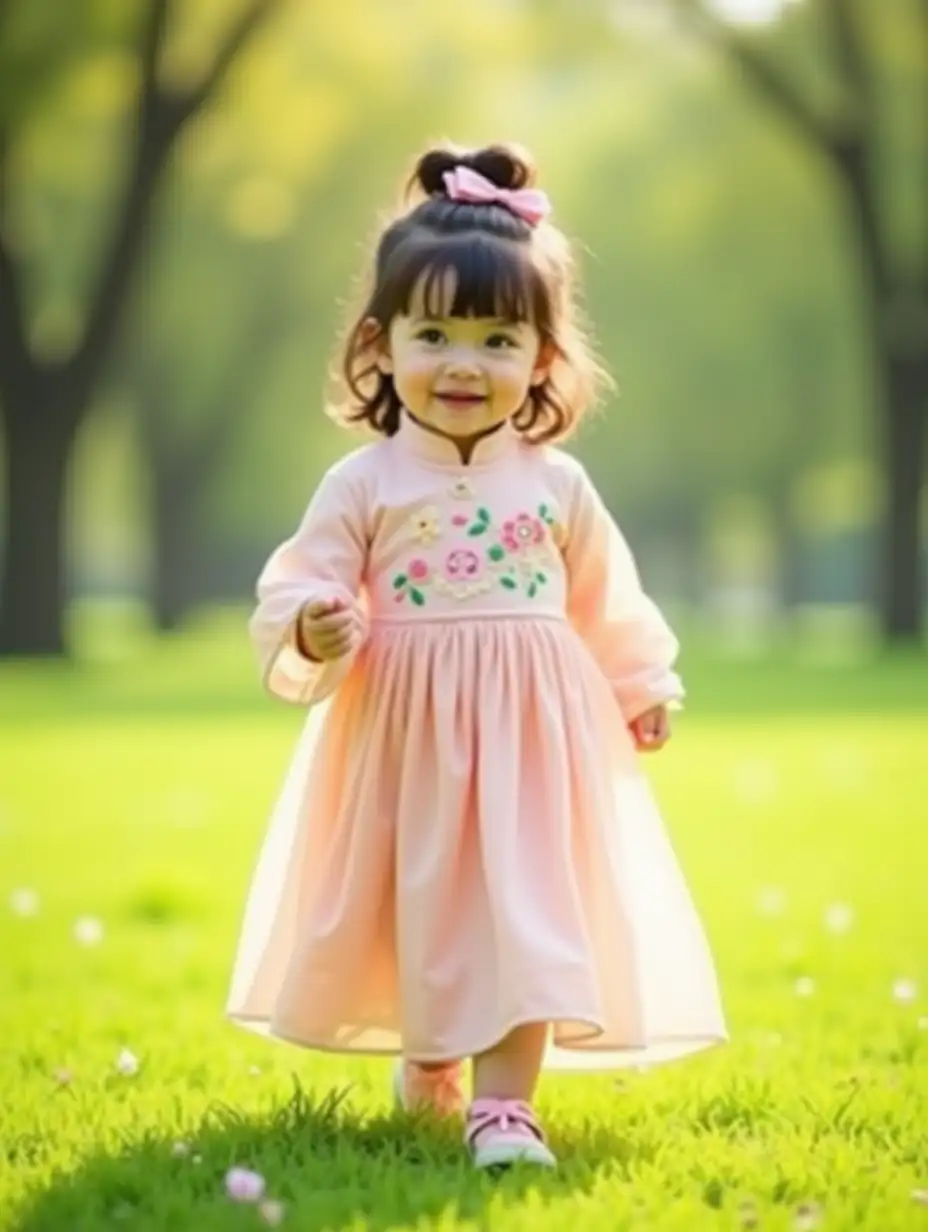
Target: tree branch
x=15 y=361
x=154 y=34
x=247 y=23
x=849 y=52
x=761 y=73
x=159 y=120
x=243 y=376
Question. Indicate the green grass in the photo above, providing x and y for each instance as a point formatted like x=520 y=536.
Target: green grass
x=135 y=791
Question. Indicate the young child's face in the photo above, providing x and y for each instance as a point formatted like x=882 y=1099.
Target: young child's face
x=462 y=375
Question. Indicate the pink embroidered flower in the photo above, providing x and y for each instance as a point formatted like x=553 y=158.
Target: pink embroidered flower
x=522 y=532
x=418 y=570
x=461 y=564
x=460 y=519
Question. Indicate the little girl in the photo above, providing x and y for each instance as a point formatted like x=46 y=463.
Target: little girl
x=466 y=860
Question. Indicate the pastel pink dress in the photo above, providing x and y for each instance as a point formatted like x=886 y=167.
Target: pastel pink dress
x=465 y=840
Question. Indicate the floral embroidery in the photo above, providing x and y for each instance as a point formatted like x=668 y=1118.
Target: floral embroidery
x=515 y=556
x=462 y=489
x=425 y=525
x=464 y=574
x=522 y=533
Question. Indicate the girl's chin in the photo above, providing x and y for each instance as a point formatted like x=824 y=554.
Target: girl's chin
x=462 y=420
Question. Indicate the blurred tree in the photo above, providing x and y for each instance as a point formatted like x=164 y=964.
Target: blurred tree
x=44 y=401
x=183 y=465
x=858 y=131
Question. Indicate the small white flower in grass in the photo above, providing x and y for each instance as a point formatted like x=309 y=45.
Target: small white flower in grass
x=24 y=902
x=196 y=1159
x=920 y=1196
x=63 y=1076
x=771 y=901
x=905 y=991
x=808 y=1217
x=839 y=918
x=272 y=1213
x=88 y=931
x=747 y=1213
x=805 y=986
x=180 y=1150
x=127 y=1063
x=243 y=1185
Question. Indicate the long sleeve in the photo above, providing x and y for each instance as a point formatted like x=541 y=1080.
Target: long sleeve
x=622 y=626
x=324 y=561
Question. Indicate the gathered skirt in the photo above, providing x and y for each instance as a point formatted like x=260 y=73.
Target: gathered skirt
x=465 y=842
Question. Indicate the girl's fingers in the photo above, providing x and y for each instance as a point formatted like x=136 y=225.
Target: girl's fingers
x=334 y=622
x=321 y=607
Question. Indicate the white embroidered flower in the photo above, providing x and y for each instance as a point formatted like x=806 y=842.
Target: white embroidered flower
x=425 y=524
x=463 y=589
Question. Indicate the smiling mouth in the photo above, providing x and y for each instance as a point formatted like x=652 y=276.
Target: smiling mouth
x=460 y=400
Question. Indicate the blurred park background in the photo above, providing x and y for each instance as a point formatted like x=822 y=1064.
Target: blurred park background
x=188 y=189
x=188 y=192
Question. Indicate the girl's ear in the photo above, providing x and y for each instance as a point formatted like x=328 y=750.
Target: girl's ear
x=547 y=353
x=375 y=338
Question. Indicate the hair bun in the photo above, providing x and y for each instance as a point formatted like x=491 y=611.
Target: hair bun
x=506 y=166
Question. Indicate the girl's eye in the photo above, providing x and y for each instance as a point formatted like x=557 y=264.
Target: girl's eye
x=431 y=336
x=498 y=342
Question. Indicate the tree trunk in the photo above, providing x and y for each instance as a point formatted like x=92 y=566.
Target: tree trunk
x=33 y=583
x=174 y=524
x=789 y=547
x=902 y=593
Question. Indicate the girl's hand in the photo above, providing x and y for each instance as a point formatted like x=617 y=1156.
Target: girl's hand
x=324 y=630
x=651 y=730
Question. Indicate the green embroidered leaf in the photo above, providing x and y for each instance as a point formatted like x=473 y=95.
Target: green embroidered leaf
x=496 y=552
x=484 y=515
x=478 y=528
x=544 y=513
x=541 y=577
x=532 y=590
x=417 y=596
x=508 y=582
x=400 y=581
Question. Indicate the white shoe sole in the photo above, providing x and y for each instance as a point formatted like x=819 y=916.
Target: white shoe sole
x=501 y=1154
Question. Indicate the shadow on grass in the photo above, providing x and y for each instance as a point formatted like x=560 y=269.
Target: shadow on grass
x=332 y=1169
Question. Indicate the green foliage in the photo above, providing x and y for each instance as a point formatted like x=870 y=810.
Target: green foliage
x=719 y=271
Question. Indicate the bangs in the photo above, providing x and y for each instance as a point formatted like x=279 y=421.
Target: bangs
x=462 y=276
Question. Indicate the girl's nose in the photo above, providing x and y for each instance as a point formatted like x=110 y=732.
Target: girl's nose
x=462 y=361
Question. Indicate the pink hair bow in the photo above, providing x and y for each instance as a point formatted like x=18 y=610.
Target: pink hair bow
x=465 y=184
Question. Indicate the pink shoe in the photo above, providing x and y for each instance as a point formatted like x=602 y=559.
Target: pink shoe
x=439 y=1089
x=504 y=1131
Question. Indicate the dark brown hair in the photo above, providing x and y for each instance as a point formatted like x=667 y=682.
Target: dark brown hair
x=498 y=264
